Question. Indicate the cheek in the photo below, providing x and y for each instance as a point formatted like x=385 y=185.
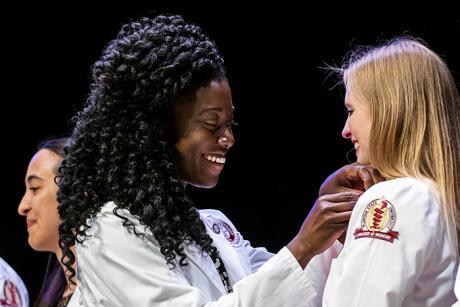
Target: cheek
x=359 y=130
x=48 y=207
x=183 y=152
x=44 y=236
x=189 y=148
x=50 y=218
x=352 y=126
x=186 y=151
x=366 y=133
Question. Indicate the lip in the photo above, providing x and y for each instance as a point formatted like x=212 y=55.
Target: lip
x=214 y=166
x=30 y=223
x=355 y=143
x=215 y=154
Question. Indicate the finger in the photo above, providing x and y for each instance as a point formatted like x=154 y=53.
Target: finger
x=342 y=237
x=341 y=196
x=339 y=219
x=365 y=177
x=376 y=175
x=341 y=207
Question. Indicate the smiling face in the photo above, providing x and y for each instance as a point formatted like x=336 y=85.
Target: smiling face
x=203 y=135
x=358 y=127
x=39 y=203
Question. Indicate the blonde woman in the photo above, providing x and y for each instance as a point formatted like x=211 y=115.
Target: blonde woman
x=404 y=119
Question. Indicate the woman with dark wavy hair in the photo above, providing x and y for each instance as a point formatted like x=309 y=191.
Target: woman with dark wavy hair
x=39 y=206
x=159 y=116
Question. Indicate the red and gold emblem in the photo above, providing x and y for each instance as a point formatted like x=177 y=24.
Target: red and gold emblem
x=377 y=221
x=11 y=296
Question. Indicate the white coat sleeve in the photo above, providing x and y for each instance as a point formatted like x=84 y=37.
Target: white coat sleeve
x=257 y=255
x=120 y=269
x=457 y=290
x=379 y=273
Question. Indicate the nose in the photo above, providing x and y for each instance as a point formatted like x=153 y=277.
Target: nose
x=227 y=139
x=346 y=133
x=24 y=206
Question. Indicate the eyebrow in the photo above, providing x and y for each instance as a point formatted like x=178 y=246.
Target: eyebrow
x=218 y=109
x=32 y=177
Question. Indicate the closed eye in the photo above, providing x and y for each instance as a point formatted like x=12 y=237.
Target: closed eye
x=212 y=126
x=33 y=189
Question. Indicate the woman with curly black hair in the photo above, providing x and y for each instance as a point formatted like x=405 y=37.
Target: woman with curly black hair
x=160 y=116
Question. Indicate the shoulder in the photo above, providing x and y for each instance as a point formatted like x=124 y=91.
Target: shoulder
x=212 y=213
x=406 y=191
x=114 y=222
x=404 y=184
x=7 y=272
x=110 y=213
x=212 y=216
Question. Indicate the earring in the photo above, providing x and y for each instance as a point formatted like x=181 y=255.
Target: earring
x=347 y=156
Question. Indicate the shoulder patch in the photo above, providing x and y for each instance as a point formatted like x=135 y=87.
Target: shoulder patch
x=377 y=221
x=11 y=296
x=221 y=227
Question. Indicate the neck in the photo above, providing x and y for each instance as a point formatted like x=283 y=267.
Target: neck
x=69 y=287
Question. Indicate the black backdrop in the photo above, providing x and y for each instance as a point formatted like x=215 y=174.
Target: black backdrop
x=289 y=137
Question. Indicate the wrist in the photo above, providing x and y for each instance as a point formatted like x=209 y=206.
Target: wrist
x=301 y=251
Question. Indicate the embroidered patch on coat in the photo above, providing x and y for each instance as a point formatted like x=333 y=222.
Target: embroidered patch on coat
x=222 y=227
x=377 y=221
x=10 y=296
x=215 y=228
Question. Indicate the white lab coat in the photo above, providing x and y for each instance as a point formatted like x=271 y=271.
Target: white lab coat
x=13 y=292
x=457 y=290
x=117 y=268
x=417 y=269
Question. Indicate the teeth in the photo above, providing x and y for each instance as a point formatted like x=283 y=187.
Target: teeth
x=215 y=159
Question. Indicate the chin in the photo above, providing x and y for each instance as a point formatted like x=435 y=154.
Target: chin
x=363 y=161
x=42 y=245
x=36 y=246
x=204 y=184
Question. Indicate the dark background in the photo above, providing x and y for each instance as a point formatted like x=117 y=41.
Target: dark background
x=288 y=139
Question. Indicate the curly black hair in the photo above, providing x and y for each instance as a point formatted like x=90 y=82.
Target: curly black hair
x=118 y=152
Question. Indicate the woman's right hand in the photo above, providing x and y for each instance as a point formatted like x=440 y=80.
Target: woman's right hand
x=325 y=223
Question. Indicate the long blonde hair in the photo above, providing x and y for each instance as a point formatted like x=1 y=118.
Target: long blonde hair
x=415 y=109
